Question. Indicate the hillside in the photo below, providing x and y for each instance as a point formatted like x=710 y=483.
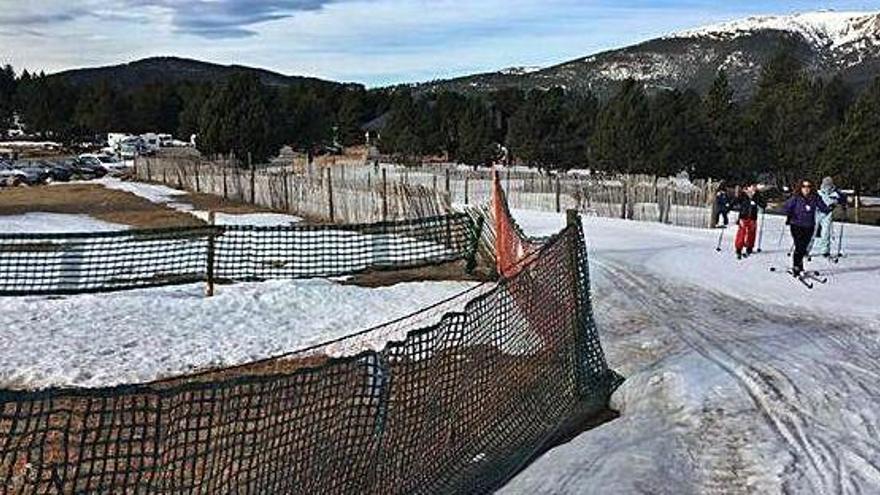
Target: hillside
x=827 y=43
x=172 y=70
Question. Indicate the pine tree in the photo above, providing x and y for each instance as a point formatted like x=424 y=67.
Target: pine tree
x=100 y=109
x=785 y=113
x=475 y=130
x=622 y=141
x=727 y=157
x=307 y=121
x=401 y=136
x=8 y=83
x=681 y=135
x=238 y=118
x=853 y=153
x=46 y=106
x=350 y=117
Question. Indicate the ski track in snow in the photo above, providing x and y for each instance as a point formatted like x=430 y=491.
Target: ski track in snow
x=724 y=393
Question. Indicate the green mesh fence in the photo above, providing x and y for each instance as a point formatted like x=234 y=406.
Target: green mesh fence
x=452 y=404
x=33 y=264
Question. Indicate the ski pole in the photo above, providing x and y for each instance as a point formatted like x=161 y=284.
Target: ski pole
x=840 y=235
x=761 y=231
x=720 y=237
x=781 y=236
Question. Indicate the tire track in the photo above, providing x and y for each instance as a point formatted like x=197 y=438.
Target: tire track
x=827 y=459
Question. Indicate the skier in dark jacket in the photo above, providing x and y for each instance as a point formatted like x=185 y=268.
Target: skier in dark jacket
x=749 y=203
x=722 y=204
x=800 y=211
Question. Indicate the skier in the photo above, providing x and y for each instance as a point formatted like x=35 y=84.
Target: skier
x=749 y=204
x=800 y=211
x=722 y=202
x=832 y=198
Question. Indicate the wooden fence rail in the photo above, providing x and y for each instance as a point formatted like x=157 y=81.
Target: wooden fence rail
x=350 y=193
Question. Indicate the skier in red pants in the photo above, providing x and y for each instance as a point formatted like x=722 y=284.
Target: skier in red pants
x=749 y=203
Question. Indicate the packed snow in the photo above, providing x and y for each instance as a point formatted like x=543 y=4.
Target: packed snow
x=141 y=335
x=54 y=223
x=739 y=380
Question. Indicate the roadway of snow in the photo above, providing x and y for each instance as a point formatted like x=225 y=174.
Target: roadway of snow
x=54 y=223
x=141 y=335
x=738 y=380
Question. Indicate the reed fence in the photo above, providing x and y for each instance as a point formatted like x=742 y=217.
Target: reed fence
x=350 y=193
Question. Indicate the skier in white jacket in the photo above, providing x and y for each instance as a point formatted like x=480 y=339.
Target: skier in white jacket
x=832 y=197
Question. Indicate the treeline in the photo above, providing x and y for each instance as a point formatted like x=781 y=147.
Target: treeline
x=239 y=115
x=792 y=127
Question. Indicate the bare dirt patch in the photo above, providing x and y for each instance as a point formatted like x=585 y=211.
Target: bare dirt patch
x=211 y=202
x=96 y=201
x=453 y=270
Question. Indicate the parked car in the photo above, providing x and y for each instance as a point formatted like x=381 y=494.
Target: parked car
x=87 y=169
x=58 y=171
x=34 y=173
x=110 y=163
x=10 y=176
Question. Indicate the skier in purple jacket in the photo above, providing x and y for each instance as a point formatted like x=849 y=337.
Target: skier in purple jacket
x=800 y=211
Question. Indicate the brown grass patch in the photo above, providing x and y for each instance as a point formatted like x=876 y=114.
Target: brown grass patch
x=450 y=271
x=94 y=200
x=212 y=202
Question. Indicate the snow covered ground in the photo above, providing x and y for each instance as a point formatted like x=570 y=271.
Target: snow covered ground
x=54 y=223
x=141 y=335
x=739 y=380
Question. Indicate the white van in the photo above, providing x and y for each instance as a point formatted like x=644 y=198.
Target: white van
x=150 y=142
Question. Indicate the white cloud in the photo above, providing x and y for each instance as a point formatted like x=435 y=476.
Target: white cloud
x=371 y=41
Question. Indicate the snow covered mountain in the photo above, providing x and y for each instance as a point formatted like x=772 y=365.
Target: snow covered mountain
x=827 y=42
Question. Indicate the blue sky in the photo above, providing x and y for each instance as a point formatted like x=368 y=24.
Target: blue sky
x=375 y=42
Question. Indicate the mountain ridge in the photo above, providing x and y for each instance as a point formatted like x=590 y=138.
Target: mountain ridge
x=826 y=42
x=151 y=70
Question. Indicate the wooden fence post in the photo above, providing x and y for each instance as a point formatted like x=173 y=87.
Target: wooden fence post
x=149 y=177
x=558 y=196
x=384 y=195
x=465 y=189
x=330 y=194
x=253 y=179
x=448 y=194
x=285 y=176
x=225 y=187
x=571 y=217
x=209 y=271
x=198 y=183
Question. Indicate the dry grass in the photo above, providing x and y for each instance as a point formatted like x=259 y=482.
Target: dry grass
x=96 y=201
x=451 y=271
x=115 y=206
x=212 y=202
